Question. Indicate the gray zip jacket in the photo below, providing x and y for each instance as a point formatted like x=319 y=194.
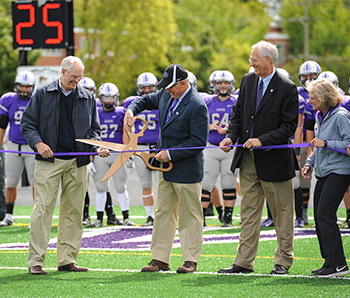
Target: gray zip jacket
x=335 y=129
x=41 y=117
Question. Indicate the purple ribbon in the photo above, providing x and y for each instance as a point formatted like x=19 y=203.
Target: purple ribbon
x=343 y=151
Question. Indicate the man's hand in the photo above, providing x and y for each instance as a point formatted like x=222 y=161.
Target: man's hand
x=306 y=172
x=44 y=150
x=103 y=152
x=250 y=143
x=225 y=143
x=162 y=156
x=129 y=118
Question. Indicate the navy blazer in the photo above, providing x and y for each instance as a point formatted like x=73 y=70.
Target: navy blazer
x=275 y=122
x=188 y=126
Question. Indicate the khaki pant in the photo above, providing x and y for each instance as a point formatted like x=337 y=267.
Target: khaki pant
x=177 y=200
x=280 y=197
x=73 y=180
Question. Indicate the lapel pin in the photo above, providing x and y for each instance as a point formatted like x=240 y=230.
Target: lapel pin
x=271 y=90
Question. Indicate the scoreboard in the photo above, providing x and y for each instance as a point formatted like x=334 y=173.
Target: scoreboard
x=42 y=24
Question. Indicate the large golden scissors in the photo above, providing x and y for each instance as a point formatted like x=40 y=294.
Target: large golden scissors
x=131 y=146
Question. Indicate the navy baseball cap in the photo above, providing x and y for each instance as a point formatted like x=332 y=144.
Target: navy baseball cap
x=173 y=73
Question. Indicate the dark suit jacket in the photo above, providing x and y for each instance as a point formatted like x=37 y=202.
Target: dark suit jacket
x=188 y=126
x=274 y=123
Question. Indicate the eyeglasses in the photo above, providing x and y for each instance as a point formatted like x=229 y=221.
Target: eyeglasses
x=75 y=78
x=254 y=60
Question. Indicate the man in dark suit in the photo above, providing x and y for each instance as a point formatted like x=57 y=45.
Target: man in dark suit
x=266 y=114
x=184 y=122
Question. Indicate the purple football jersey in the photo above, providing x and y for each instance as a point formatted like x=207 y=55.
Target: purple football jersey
x=150 y=136
x=13 y=106
x=112 y=124
x=206 y=97
x=219 y=111
x=346 y=102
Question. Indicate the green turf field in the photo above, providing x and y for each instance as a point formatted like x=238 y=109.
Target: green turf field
x=116 y=272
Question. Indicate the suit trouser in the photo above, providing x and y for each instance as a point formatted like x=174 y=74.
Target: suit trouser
x=47 y=178
x=280 y=198
x=329 y=192
x=183 y=201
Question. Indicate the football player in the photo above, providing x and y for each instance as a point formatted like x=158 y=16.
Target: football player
x=216 y=162
x=12 y=106
x=146 y=83
x=111 y=122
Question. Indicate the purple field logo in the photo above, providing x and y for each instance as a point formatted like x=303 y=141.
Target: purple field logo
x=134 y=238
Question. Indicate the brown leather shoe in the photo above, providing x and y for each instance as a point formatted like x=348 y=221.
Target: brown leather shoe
x=72 y=268
x=187 y=267
x=37 y=270
x=156 y=266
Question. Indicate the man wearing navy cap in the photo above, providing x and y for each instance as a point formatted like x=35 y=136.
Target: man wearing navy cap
x=184 y=123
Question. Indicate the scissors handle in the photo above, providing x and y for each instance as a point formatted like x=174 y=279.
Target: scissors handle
x=147 y=156
x=140 y=133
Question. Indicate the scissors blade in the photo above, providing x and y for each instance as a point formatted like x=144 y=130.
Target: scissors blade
x=122 y=158
x=109 y=145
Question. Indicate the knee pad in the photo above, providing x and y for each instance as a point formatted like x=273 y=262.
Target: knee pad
x=229 y=197
x=207 y=196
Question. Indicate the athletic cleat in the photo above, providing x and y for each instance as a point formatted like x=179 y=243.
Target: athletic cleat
x=209 y=211
x=6 y=222
x=86 y=220
x=299 y=222
x=128 y=222
x=113 y=220
x=149 y=222
x=267 y=223
x=332 y=271
x=96 y=224
x=227 y=223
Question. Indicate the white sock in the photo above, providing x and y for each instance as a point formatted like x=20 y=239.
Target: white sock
x=149 y=211
x=9 y=216
x=123 y=200
x=101 y=198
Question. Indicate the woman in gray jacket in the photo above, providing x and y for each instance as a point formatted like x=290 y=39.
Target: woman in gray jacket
x=332 y=170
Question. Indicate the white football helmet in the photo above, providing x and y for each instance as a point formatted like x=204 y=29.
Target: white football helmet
x=25 y=78
x=108 y=95
x=146 y=79
x=192 y=78
x=306 y=69
x=88 y=84
x=224 y=76
x=283 y=72
x=329 y=75
x=212 y=81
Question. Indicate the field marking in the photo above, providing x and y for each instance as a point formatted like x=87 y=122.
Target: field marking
x=174 y=272
x=54 y=251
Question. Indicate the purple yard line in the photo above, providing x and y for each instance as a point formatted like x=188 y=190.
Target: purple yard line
x=124 y=239
x=343 y=151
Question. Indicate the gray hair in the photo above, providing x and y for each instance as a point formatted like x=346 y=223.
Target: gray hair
x=68 y=62
x=325 y=91
x=267 y=49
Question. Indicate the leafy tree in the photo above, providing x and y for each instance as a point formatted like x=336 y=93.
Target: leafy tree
x=217 y=35
x=329 y=27
x=124 y=39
